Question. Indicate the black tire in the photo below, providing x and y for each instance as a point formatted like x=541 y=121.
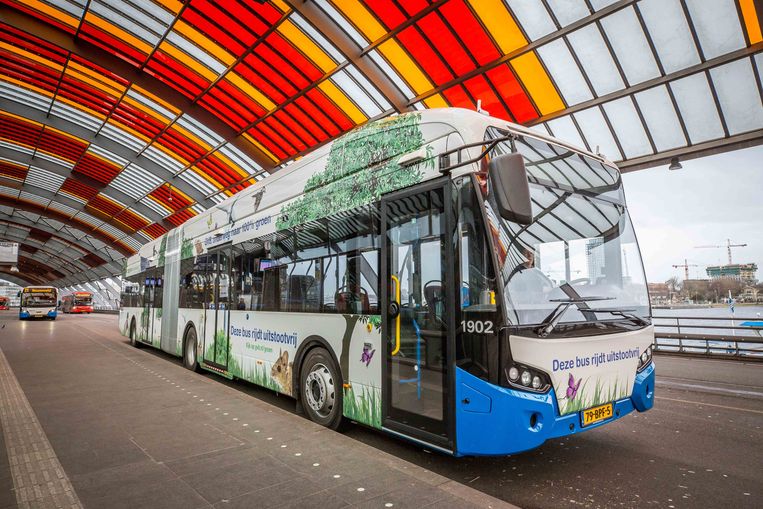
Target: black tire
x=320 y=389
x=133 y=335
x=190 y=347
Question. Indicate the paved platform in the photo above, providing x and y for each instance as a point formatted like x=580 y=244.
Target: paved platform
x=89 y=421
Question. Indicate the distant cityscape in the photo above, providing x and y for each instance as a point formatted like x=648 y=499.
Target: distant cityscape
x=739 y=280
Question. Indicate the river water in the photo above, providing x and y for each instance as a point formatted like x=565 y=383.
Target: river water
x=692 y=320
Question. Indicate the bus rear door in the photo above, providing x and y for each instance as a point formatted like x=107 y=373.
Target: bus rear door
x=417 y=313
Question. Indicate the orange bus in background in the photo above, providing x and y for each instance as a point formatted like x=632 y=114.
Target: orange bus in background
x=77 y=302
x=4 y=303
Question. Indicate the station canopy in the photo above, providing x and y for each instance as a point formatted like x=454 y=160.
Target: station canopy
x=122 y=119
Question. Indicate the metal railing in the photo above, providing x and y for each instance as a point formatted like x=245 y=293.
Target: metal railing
x=708 y=336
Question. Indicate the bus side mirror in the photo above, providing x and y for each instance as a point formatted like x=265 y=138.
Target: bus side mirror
x=509 y=184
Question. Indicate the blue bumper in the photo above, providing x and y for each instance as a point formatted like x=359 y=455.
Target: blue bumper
x=498 y=420
x=23 y=314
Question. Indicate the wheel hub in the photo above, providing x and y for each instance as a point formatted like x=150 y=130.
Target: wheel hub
x=319 y=390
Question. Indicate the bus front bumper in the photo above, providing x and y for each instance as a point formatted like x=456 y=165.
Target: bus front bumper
x=493 y=420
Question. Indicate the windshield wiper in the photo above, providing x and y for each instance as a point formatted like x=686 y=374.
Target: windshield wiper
x=548 y=323
x=625 y=313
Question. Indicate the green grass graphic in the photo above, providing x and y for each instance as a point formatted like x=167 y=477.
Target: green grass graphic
x=601 y=395
x=365 y=407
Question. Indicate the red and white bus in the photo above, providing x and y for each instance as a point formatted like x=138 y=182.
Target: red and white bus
x=77 y=302
x=4 y=303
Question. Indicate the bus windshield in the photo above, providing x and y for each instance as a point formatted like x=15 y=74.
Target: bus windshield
x=38 y=299
x=580 y=248
x=83 y=300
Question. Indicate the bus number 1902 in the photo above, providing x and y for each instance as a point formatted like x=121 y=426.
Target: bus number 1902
x=477 y=326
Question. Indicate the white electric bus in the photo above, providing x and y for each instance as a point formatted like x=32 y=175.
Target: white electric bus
x=447 y=277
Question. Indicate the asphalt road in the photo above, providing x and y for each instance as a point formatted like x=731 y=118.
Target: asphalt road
x=700 y=446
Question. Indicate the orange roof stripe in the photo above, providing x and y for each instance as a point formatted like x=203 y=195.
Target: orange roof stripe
x=251 y=91
x=204 y=42
x=31 y=56
x=306 y=45
x=260 y=146
x=117 y=32
x=193 y=64
x=751 y=20
x=499 y=23
x=56 y=14
x=341 y=100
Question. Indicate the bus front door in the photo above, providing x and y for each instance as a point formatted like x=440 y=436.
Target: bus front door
x=417 y=314
x=218 y=309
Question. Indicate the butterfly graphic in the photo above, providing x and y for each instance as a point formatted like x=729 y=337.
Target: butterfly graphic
x=572 y=387
x=368 y=354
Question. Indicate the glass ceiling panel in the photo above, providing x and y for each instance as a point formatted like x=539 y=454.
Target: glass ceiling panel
x=696 y=105
x=628 y=128
x=564 y=129
x=533 y=17
x=630 y=45
x=739 y=96
x=661 y=118
x=568 y=11
x=759 y=65
x=596 y=60
x=135 y=181
x=565 y=72
x=718 y=27
x=670 y=33
x=44 y=179
x=597 y=134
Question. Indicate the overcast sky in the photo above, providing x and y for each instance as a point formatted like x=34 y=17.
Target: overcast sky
x=709 y=200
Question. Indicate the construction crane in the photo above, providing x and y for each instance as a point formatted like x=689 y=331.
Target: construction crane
x=686 y=266
x=728 y=247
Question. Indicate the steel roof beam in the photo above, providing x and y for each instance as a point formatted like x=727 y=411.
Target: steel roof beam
x=112 y=146
x=14 y=277
x=15 y=221
x=661 y=80
x=112 y=192
x=708 y=148
x=344 y=43
x=98 y=56
x=63 y=218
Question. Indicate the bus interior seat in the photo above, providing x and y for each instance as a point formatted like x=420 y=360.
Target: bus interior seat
x=351 y=302
x=300 y=295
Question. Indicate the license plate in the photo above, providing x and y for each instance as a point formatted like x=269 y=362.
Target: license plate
x=596 y=414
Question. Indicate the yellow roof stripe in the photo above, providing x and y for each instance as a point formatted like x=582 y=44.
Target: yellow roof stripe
x=172 y=5
x=130 y=130
x=538 y=84
x=156 y=99
x=260 y=146
x=342 y=101
x=281 y=5
x=306 y=45
x=145 y=109
x=188 y=134
x=54 y=13
x=248 y=89
x=407 y=68
x=80 y=107
x=234 y=166
x=751 y=20
x=204 y=42
x=31 y=56
x=361 y=18
x=193 y=64
x=435 y=101
x=117 y=32
x=499 y=23
x=108 y=86
x=206 y=177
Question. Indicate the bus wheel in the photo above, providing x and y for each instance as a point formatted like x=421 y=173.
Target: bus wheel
x=321 y=389
x=189 y=350
x=133 y=336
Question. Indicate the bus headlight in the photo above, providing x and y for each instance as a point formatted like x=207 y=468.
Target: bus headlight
x=526 y=378
x=513 y=374
x=645 y=359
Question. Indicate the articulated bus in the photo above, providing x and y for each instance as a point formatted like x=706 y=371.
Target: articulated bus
x=38 y=302
x=4 y=303
x=77 y=302
x=450 y=278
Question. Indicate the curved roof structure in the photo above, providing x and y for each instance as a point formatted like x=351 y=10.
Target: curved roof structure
x=121 y=120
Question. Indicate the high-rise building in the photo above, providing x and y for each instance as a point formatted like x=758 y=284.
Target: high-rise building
x=745 y=272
